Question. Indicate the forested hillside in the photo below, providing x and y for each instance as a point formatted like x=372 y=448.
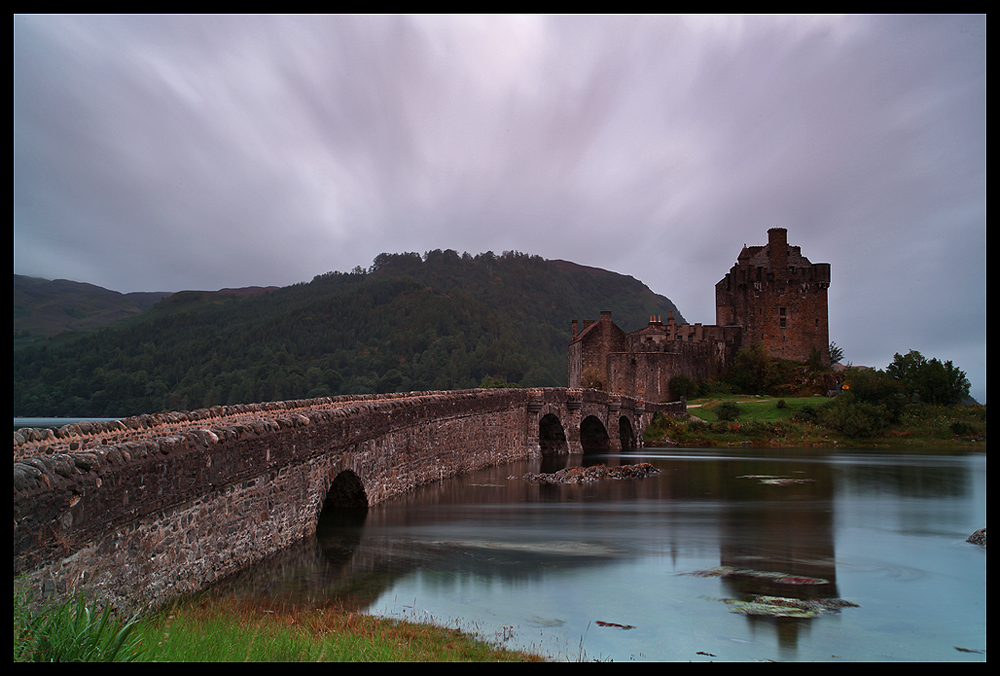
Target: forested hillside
x=409 y=322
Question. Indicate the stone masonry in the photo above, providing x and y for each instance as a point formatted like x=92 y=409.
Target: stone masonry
x=147 y=508
x=773 y=296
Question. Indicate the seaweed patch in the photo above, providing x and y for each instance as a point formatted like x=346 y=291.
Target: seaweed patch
x=780 y=578
x=623 y=627
x=776 y=479
x=781 y=606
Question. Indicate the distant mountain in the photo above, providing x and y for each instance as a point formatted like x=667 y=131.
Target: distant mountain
x=410 y=322
x=45 y=307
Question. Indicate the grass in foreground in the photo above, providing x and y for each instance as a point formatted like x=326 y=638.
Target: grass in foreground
x=223 y=630
x=233 y=631
x=226 y=630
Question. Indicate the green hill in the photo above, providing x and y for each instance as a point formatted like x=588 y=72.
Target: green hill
x=409 y=322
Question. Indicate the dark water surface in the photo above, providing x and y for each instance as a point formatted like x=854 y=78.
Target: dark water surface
x=663 y=568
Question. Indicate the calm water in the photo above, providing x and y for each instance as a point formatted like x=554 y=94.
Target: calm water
x=52 y=422
x=539 y=567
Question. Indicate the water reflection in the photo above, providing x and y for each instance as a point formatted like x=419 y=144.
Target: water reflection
x=663 y=554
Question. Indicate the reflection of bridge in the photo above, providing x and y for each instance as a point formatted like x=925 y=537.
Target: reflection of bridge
x=149 y=507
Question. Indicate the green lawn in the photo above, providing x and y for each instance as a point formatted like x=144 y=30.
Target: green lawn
x=752 y=407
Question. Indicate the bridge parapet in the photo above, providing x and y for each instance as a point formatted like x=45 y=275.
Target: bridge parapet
x=82 y=435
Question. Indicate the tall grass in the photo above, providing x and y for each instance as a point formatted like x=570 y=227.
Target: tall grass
x=72 y=631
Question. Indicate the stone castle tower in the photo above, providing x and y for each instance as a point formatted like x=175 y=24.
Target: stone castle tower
x=779 y=298
x=773 y=296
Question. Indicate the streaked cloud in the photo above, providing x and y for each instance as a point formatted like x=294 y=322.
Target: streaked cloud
x=173 y=152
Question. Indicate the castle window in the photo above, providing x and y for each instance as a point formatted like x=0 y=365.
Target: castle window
x=781 y=318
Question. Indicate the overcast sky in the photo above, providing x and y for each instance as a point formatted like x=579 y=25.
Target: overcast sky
x=162 y=153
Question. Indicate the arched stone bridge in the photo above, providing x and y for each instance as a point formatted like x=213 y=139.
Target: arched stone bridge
x=150 y=507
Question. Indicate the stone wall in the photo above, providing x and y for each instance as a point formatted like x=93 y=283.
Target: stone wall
x=646 y=375
x=166 y=514
x=588 y=351
x=156 y=506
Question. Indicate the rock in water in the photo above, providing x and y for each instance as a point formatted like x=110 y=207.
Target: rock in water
x=583 y=475
x=978 y=538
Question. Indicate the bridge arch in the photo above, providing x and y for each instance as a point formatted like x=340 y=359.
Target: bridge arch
x=594 y=437
x=551 y=435
x=346 y=491
x=345 y=507
x=626 y=434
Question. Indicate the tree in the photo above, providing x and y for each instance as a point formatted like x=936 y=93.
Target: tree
x=932 y=382
x=906 y=369
x=836 y=353
x=752 y=370
x=496 y=382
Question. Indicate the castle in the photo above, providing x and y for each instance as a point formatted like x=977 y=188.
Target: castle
x=773 y=296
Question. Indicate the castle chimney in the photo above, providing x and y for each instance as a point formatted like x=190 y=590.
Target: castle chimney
x=574 y=329
x=777 y=248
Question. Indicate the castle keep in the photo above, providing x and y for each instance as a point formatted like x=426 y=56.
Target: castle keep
x=773 y=296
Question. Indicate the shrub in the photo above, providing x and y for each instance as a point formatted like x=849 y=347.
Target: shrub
x=683 y=386
x=758 y=428
x=807 y=413
x=857 y=419
x=662 y=426
x=591 y=378
x=727 y=410
x=963 y=428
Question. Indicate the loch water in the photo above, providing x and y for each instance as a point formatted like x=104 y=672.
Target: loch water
x=725 y=554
